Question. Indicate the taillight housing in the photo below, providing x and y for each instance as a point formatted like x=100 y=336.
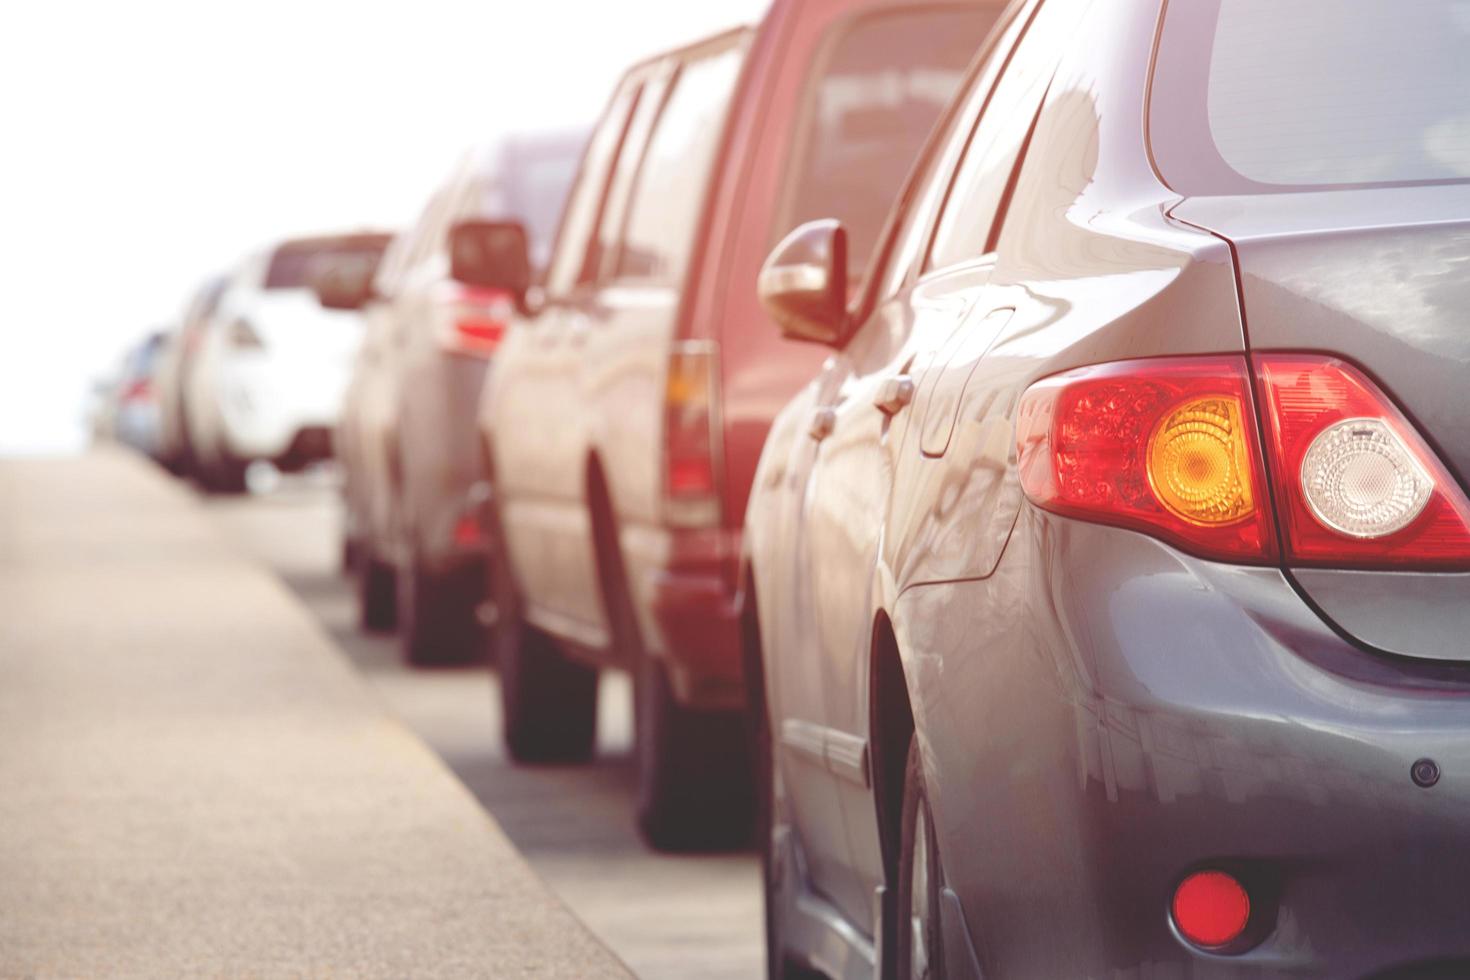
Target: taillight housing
x=1165 y=446
x=1169 y=447
x=1356 y=485
x=691 y=434
x=474 y=319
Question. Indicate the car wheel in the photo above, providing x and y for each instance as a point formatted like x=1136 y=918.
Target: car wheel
x=436 y=615
x=548 y=701
x=694 y=786
x=917 y=940
x=695 y=790
x=377 y=600
x=225 y=475
x=349 y=554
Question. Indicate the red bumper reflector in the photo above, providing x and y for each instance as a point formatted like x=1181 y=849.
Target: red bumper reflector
x=1211 y=909
x=467 y=531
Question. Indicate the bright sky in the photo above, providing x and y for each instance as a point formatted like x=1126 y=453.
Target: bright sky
x=146 y=144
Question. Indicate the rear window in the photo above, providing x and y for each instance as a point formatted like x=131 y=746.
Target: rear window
x=1253 y=96
x=294 y=263
x=879 y=88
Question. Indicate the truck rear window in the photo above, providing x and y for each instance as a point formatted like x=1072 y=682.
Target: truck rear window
x=1253 y=96
x=879 y=86
x=294 y=263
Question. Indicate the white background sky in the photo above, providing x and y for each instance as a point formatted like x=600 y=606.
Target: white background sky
x=145 y=144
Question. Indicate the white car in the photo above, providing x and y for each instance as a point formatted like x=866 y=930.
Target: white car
x=273 y=363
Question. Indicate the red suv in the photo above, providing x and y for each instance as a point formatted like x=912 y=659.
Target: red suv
x=634 y=394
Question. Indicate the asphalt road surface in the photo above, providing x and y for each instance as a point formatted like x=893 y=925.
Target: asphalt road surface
x=666 y=916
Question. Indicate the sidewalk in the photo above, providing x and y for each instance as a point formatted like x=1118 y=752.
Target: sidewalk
x=193 y=781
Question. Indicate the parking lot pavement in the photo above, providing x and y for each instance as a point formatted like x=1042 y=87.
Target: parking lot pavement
x=665 y=916
x=196 y=783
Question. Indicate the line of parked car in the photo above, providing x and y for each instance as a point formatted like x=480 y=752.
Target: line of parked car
x=1018 y=450
x=255 y=371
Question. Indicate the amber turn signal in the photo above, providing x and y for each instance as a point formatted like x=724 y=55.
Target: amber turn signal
x=1199 y=462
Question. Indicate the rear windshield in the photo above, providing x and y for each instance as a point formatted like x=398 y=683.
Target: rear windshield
x=1253 y=96
x=880 y=86
x=294 y=263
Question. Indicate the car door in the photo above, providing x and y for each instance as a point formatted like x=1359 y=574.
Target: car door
x=880 y=79
x=381 y=380
x=893 y=409
x=599 y=345
x=211 y=375
x=537 y=431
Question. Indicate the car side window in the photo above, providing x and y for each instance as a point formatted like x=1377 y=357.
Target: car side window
x=569 y=267
x=973 y=212
x=669 y=191
x=420 y=242
x=620 y=186
x=881 y=83
x=911 y=226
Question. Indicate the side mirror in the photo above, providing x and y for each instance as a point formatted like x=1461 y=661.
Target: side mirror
x=803 y=284
x=493 y=255
x=344 y=283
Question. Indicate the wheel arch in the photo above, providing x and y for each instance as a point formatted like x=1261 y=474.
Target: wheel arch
x=890 y=729
x=607 y=550
x=891 y=726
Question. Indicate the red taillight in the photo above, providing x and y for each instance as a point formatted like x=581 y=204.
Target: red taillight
x=690 y=434
x=1211 y=909
x=475 y=319
x=1356 y=485
x=1165 y=446
x=467 y=530
x=140 y=390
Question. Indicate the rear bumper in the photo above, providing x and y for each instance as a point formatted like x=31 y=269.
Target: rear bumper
x=685 y=599
x=265 y=408
x=1115 y=715
x=310 y=444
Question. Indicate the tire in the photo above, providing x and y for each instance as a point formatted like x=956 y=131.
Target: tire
x=225 y=475
x=694 y=787
x=377 y=600
x=918 y=942
x=436 y=615
x=548 y=702
x=695 y=791
x=349 y=559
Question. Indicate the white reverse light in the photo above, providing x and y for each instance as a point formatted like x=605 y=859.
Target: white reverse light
x=1360 y=479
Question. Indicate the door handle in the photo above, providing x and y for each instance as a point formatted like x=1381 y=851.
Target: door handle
x=894 y=393
x=822 y=423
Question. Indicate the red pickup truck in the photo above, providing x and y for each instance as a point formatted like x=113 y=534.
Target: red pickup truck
x=633 y=395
